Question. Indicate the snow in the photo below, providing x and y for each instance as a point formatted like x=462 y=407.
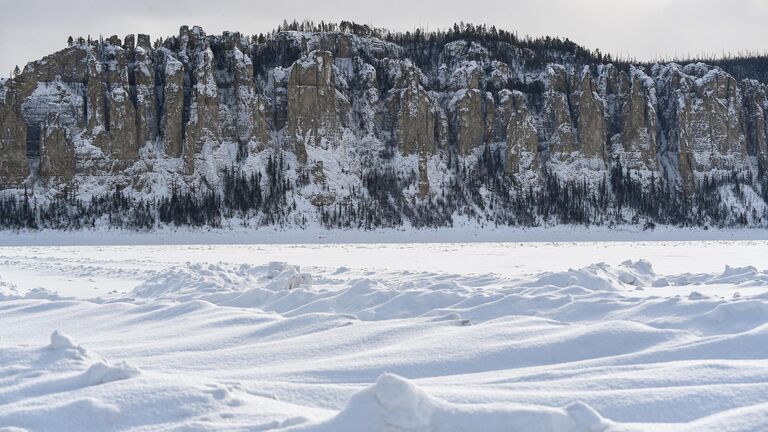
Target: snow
x=61 y=341
x=395 y=404
x=531 y=336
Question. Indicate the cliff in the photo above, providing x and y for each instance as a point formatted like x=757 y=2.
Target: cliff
x=375 y=129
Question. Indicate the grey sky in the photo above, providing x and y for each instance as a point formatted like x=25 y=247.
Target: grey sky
x=30 y=29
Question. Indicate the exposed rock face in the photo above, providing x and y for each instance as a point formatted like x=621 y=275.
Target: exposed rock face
x=702 y=120
x=413 y=110
x=591 y=130
x=558 y=124
x=756 y=121
x=172 y=125
x=638 y=123
x=243 y=110
x=466 y=109
x=121 y=141
x=53 y=114
x=201 y=116
x=467 y=119
x=522 y=138
x=179 y=111
x=14 y=166
x=57 y=151
x=312 y=103
x=145 y=98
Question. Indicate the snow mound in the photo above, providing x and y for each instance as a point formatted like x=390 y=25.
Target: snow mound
x=100 y=372
x=396 y=404
x=742 y=419
x=589 y=293
x=599 y=277
x=721 y=318
x=695 y=295
x=638 y=272
x=8 y=291
x=70 y=414
x=737 y=275
x=216 y=282
x=730 y=276
x=41 y=293
x=287 y=277
x=103 y=372
x=60 y=341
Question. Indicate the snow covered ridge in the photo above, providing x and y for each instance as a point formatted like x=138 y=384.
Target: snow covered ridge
x=352 y=127
x=159 y=338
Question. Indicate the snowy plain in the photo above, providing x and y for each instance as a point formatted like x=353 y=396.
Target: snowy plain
x=385 y=331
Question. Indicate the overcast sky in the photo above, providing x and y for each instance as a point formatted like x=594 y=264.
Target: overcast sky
x=646 y=29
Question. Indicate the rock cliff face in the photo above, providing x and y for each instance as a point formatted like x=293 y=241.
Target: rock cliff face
x=314 y=105
x=147 y=118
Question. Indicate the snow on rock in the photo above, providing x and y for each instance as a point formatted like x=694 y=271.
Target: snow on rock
x=394 y=404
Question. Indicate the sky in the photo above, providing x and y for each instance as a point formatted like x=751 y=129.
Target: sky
x=644 y=30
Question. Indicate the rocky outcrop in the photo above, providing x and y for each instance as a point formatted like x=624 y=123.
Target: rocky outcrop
x=467 y=119
x=144 y=83
x=177 y=111
x=14 y=165
x=413 y=110
x=522 y=137
x=702 y=121
x=638 y=123
x=172 y=108
x=558 y=125
x=121 y=141
x=312 y=103
x=590 y=126
x=53 y=114
x=57 y=150
x=201 y=116
x=756 y=121
x=243 y=110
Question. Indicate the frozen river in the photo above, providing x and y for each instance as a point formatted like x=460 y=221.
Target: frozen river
x=660 y=335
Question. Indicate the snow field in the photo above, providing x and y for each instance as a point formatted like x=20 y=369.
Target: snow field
x=167 y=338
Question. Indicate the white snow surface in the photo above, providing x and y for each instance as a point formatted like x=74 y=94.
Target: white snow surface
x=416 y=337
